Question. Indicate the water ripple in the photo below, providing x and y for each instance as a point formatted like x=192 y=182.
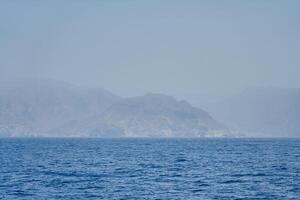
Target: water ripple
x=149 y=169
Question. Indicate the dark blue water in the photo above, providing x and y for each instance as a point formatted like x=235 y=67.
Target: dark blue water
x=149 y=169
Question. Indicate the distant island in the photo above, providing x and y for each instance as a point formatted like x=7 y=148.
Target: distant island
x=47 y=108
x=261 y=112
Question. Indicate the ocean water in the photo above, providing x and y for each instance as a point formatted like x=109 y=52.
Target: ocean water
x=149 y=169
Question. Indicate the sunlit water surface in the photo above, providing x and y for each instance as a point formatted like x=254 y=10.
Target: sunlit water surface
x=149 y=169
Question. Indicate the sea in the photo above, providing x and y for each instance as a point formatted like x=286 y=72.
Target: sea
x=76 y=168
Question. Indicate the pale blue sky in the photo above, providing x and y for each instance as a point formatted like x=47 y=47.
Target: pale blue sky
x=183 y=48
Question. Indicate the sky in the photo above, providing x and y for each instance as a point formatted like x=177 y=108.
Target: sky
x=196 y=50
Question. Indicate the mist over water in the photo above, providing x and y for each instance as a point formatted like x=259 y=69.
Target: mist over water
x=149 y=99
x=198 y=51
x=203 y=52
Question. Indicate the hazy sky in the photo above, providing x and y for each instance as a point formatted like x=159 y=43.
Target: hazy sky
x=182 y=48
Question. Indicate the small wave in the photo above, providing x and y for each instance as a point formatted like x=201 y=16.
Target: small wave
x=197 y=190
x=249 y=175
x=201 y=184
x=181 y=160
x=232 y=181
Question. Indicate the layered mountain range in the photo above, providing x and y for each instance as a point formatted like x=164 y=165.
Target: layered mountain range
x=55 y=109
x=261 y=112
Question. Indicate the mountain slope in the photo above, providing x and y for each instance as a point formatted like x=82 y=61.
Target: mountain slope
x=262 y=112
x=156 y=115
x=50 y=108
x=37 y=107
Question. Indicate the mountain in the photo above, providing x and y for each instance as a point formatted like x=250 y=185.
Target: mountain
x=151 y=115
x=157 y=115
x=264 y=112
x=50 y=108
x=40 y=106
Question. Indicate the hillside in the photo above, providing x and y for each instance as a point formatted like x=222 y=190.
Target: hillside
x=39 y=106
x=263 y=112
x=47 y=108
x=157 y=115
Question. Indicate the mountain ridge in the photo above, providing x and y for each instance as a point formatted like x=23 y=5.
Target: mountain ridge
x=53 y=109
x=261 y=112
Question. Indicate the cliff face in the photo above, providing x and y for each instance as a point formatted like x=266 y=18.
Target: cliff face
x=159 y=115
x=57 y=109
